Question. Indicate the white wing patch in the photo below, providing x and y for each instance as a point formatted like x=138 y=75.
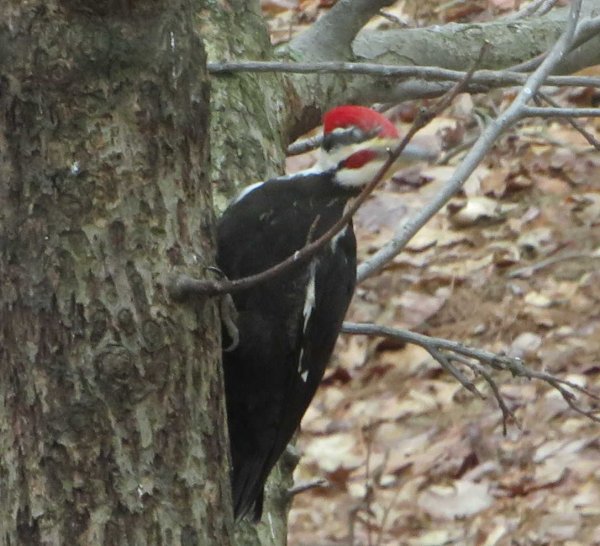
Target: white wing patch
x=309 y=300
x=309 y=305
x=247 y=190
x=334 y=241
x=285 y=178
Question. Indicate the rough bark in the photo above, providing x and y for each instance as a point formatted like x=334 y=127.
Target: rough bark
x=111 y=415
x=248 y=114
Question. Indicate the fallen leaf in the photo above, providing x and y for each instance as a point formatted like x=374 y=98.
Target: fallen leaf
x=461 y=499
x=473 y=211
x=525 y=345
x=333 y=452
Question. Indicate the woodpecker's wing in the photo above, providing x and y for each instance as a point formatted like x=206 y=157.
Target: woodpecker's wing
x=288 y=326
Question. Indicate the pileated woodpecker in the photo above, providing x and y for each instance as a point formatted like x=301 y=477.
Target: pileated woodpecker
x=288 y=325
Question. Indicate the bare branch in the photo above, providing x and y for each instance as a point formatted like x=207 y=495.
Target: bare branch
x=474 y=156
x=453 y=370
x=452 y=350
x=573 y=123
x=529 y=270
x=304 y=145
x=465 y=145
x=542 y=112
x=331 y=36
x=507 y=413
x=307 y=486
x=486 y=78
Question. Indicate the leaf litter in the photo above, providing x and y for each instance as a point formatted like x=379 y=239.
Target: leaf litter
x=509 y=265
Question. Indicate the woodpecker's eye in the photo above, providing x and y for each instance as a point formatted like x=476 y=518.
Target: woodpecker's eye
x=343 y=137
x=329 y=142
x=357 y=135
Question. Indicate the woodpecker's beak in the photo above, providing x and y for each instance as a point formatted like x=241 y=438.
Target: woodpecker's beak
x=357 y=162
x=418 y=149
x=417 y=152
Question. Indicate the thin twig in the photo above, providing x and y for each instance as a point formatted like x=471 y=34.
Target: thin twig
x=528 y=270
x=507 y=413
x=465 y=145
x=573 y=123
x=546 y=112
x=306 y=486
x=393 y=19
x=474 y=156
x=304 y=145
x=537 y=7
x=453 y=371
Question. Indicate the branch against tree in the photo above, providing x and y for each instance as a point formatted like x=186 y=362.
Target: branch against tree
x=181 y=286
x=450 y=46
x=482 y=80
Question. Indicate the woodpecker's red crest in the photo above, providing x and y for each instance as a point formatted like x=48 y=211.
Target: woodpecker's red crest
x=361 y=117
x=356 y=143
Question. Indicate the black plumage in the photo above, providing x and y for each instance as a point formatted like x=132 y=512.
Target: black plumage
x=287 y=325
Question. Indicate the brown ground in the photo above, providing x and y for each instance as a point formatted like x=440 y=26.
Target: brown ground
x=438 y=468
x=411 y=457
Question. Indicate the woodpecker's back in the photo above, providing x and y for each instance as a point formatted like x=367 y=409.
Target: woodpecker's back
x=287 y=326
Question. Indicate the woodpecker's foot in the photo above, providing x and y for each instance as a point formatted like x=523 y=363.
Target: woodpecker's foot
x=292 y=455
x=228 y=317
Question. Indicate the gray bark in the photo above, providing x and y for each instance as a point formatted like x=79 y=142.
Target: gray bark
x=111 y=413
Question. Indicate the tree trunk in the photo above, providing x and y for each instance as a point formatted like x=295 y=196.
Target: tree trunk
x=112 y=418
x=250 y=114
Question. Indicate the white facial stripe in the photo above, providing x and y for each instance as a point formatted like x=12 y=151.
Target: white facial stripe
x=331 y=159
x=353 y=178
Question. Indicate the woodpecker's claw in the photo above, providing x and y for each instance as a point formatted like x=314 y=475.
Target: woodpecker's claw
x=217 y=270
x=228 y=317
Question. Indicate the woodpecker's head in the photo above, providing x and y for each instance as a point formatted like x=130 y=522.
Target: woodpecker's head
x=356 y=142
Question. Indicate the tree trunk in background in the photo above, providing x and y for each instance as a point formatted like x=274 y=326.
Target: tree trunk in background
x=250 y=115
x=111 y=416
